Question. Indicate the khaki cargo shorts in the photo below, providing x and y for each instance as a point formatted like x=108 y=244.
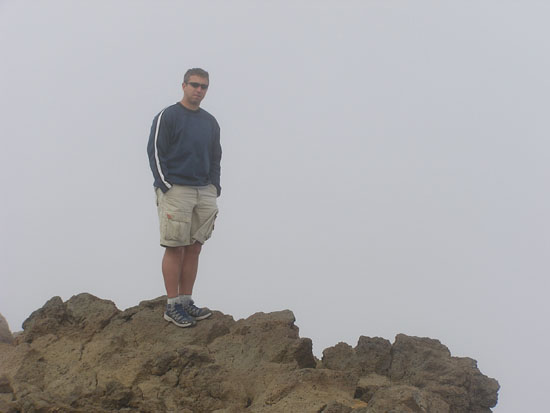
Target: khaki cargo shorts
x=186 y=214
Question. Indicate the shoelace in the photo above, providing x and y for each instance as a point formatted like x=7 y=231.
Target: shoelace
x=180 y=315
x=193 y=310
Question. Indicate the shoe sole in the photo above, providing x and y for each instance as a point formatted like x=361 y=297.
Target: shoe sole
x=168 y=318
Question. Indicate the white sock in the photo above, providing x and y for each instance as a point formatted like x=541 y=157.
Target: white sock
x=172 y=301
x=184 y=299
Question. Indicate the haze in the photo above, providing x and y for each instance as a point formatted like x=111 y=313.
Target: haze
x=385 y=166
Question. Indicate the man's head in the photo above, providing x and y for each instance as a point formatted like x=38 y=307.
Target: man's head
x=195 y=84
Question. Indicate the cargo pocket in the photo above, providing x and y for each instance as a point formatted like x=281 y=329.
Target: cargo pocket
x=175 y=226
x=205 y=231
x=210 y=226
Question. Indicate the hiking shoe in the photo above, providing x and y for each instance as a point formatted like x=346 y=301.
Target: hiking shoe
x=196 y=312
x=177 y=315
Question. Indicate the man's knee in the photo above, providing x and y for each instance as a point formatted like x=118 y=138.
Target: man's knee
x=194 y=248
x=174 y=250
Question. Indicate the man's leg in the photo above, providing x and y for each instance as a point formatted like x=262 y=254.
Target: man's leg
x=171 y=269
x=189 y=268
x=188 y=276
x=202 y=223
x=175 y=230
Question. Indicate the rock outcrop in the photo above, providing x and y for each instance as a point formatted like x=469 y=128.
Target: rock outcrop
x=84 y=355
x=5 y=333
x=413 y=375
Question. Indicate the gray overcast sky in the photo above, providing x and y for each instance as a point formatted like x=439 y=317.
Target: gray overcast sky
x=385 y=169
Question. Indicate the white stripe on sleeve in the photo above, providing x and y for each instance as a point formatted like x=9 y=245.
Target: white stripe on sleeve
x=168 y=185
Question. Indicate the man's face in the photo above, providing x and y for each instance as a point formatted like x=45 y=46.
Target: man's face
x=194 y=89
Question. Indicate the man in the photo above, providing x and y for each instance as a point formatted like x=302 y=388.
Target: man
x=184 y=154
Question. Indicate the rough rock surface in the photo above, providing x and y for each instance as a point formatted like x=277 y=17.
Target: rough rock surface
x=5 y=333
x=85 y=355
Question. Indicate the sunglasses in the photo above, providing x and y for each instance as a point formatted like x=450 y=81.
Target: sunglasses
x=196 y=85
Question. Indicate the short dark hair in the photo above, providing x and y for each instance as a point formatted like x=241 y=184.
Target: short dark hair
x=197 y=71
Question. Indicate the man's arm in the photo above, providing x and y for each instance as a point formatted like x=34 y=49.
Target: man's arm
x=215 y=159
x=157 y=149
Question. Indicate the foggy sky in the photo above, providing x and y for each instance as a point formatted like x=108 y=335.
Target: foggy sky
x=385 y=166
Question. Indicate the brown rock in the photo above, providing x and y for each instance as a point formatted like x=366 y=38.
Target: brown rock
x=371 y=355
x=8 y=407
x=339 y=357
x=5 y=386
x=84 y=355
x=335 y=407
x=427 y=364
x=83 y=314
x=406 y=399
x=368 y=385
x=5 y=333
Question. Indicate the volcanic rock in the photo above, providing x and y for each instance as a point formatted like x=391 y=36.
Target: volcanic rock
x=5 y=333
x=84 y=355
